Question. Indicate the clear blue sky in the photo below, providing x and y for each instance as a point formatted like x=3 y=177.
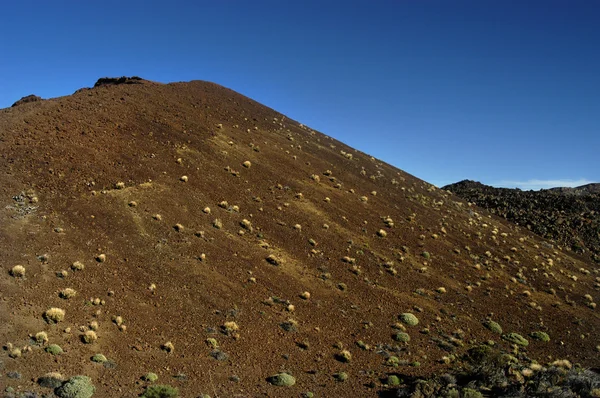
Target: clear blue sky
x=504 y=92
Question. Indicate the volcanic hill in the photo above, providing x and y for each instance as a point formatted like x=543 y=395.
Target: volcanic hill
x=187 y=233
x=569 y=217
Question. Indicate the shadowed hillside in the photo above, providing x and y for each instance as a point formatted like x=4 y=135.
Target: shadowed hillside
x=570 y=217
x=198 y=239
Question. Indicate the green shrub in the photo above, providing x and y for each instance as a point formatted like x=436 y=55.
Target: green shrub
x=402 y=337
x=76 y=387
x=282 y=380
x=99 y=358
x=541 y=336
x=393 y=380
x=516 y=338
x=160 y=391
x=54 y=349
x=409 y=319
x=341 y=376
x=493 y=326
x=150 y=377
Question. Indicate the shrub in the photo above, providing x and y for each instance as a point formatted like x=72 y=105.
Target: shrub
x=409 y=319
x=393 y=380
x=160 y=391
x=343 y=356
x=150 y=377
x=89 y=337
x=341 y=376
x=493 y=326
x=54 y=315
x=168 y=347
x=212 y=343
x=54 y=349
x=76 y=387
x=18 y=271
x=516 y=338
x=41 y=337
x=282 y=380
x=77 y=266
x=381 y=233
x=67 y=293
x=99 y=358
x=51 y=380
x=247 y=164
x=402 y=337
x=540 y=336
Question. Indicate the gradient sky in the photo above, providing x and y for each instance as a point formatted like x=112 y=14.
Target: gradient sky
x=503 y=92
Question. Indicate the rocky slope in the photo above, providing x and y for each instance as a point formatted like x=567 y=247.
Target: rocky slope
x=187 y=236
x=569 y=217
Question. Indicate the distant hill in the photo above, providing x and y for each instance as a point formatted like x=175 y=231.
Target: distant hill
x=568 y=216
x=183 y=236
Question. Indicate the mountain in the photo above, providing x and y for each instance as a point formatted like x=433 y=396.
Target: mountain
x=183 y=235
x=570 y=217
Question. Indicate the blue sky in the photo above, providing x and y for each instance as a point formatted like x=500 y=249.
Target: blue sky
x=499 y=91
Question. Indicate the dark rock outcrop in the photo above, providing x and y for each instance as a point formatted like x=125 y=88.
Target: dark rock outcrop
x=568 y=216
x=26 y=99
x=107 y=81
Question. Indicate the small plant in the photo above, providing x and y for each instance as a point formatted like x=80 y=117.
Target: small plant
x=120 y=185
x=101 y=258
x=18 y=271
x=230 y=327
x=89 y=337
x=168 y=347
x=41 y=338
x=341 y=376
x=178 y=227
x=54 y=315
x=409 y=319
x=67 y=293
x=516 y=338
x=273 y=260
x=54 y=349
x=540 y=336
x=247 y=164
x=76 y=387
x=77 y=266
x=493 y=326
x=247 y=225
x=183 y=178
x=344 y=356
x=282 y=380
x=99 y=358
x=160 y=391
x=393 y=380
x=381 y=233
x=212 y=343
x=426 y=255
x=150 y=377
x=217 y=223
x=402 y=337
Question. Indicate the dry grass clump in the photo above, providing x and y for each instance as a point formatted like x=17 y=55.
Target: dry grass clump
x=89 y=337
x=305 y=295
x=67 y=293
x=230 y=327
x=41 y=337
x=315 y=178
x=343 y=356
x=217 y=223
x=274 y=260
x=206 y=210
x=120 y=185
x=178 y=227
x=381 y=233
x=246 y=224
x=18 y=271
x=54 y=315
x=247 y=164
x=183 y=178
x=168 y=347
x=101 y=258
x=77 y=266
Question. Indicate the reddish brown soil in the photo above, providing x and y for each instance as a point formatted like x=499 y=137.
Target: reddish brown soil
x=70 y=152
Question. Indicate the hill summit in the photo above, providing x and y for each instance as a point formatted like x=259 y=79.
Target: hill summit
x=162 y=237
